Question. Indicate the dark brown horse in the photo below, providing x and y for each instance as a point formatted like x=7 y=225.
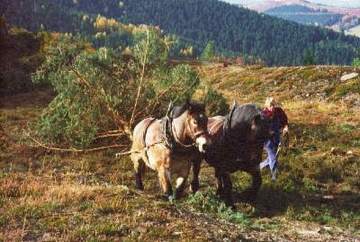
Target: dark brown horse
x=237 y=144
x=169 y=145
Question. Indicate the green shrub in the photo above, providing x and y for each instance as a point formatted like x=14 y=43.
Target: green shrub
x=309 y=185
x=347 y=128
x=209 y=203
x=347 y=88
x=209 y=51
x=356 y=62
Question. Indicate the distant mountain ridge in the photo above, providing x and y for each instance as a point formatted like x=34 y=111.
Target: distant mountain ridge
x=305 y=15
x=266 y=5
x=332 y=17
x=235 y=31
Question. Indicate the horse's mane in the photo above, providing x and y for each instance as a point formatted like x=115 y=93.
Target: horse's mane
x=240 y=120
x=193 y=106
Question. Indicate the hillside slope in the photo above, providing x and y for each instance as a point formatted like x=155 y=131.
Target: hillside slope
x=234 y=30
x=46 y=195
x=302 y=83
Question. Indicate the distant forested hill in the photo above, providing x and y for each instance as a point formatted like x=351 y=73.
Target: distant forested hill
x=234 y=30
x=305 y=15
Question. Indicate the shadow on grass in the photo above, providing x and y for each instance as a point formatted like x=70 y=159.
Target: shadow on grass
x=308 y=185
x=341 y=208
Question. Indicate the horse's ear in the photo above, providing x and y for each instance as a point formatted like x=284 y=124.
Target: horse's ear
x=234 y=104
x=188 y=104
x=170 y=107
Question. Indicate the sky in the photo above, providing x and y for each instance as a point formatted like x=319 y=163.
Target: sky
x=340 y=3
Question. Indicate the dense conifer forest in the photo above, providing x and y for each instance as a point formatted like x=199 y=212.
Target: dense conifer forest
x=234 y=30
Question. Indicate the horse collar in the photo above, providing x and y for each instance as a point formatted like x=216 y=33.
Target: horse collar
x=170 y=139
x=167 y=132
x=227 y=123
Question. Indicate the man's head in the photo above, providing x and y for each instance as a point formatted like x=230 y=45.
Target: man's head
x=270 y=103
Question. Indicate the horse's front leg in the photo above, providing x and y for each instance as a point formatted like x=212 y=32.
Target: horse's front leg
x=227 y=189
x=219 y=182
x=183 y=174
x=195 y=184
x=253 y=190
x=165 y=181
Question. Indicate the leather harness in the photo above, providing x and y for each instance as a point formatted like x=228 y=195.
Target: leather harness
x=227 y=122
x=168 y=138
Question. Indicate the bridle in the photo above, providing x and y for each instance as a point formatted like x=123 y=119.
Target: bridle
x=193 y=135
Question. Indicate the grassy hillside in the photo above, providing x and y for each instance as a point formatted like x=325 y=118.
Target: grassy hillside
x=60 y=196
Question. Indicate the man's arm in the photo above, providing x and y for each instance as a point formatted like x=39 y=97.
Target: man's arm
x=284 y=123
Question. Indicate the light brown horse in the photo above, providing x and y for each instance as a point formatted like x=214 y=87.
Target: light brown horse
x=169 y=145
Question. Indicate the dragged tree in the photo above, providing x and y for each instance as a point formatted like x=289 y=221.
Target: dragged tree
x=102 y=93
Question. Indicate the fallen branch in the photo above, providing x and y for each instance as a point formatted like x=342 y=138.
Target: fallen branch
x=110 y=132
x=74 y=150
x=110 y=135
x=118 y=155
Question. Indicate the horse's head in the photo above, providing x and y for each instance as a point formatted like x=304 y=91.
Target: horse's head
x=260 y=128
x=195 y=124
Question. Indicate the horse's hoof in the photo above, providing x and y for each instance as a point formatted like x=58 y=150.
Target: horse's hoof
x=171 y=198
x=167 y=197
x=227 y=199
x=219 y=192
x=249 y=196
x=194 y=187
x=229 y=203
x=141 y=188
x=179 y=193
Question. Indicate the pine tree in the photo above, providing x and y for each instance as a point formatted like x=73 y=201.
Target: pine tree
x=209 y=51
